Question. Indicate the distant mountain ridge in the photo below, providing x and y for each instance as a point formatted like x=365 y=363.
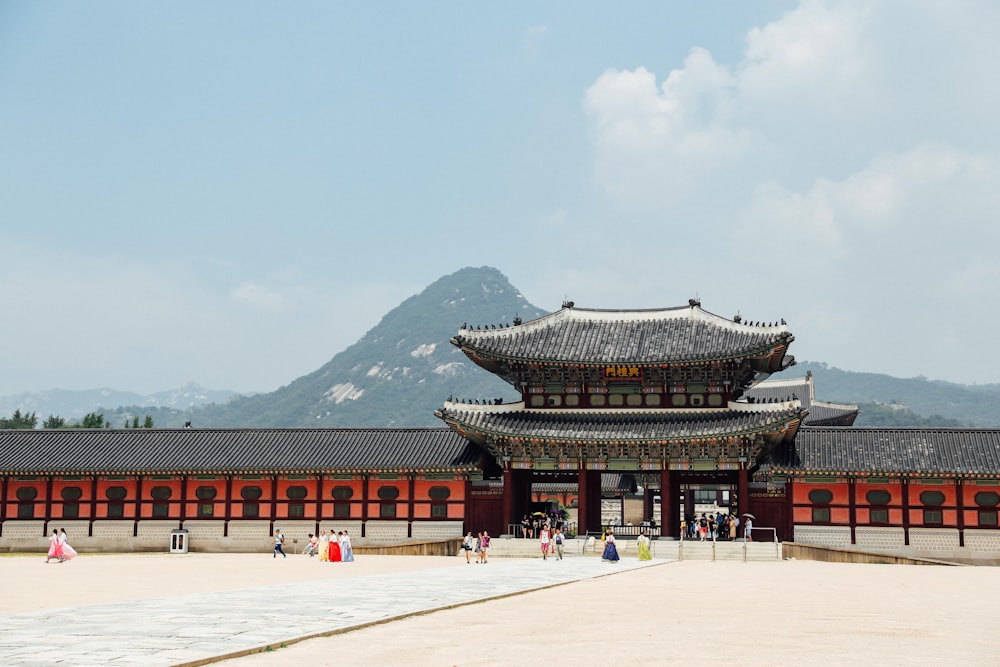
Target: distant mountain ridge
x=73 y=404
x=969 y=405
x=404 y=368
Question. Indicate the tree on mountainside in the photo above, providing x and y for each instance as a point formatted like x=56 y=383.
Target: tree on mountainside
x=148 y=423
x=94 y=420
x=54 y=422
x=19 y=421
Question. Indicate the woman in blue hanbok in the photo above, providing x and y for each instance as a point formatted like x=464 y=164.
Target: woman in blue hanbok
x=346 y=550
x=610 y=550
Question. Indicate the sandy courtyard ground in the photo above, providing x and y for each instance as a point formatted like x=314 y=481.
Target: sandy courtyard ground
x=692 y=612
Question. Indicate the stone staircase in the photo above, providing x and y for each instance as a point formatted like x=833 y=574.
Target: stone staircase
x=511 y=547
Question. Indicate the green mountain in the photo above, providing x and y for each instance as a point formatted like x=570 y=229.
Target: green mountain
x=404 y=368
x=888 y=401
x=400 y=371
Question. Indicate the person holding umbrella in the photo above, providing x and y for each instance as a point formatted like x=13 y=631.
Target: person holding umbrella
x=747 y=527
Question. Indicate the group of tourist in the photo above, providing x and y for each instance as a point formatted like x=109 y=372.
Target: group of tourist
x=59 y=547
x=478 y=545
x=531 y=526
x=328 y=546
x=551 y=540
x=716 y=526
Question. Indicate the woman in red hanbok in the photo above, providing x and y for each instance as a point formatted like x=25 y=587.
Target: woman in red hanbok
x=335 y=556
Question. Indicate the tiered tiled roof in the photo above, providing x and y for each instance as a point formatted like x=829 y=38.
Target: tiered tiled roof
x=803 y=388
x=587 y=336
x=513 y=421
x=224 y=451
x=913 y=451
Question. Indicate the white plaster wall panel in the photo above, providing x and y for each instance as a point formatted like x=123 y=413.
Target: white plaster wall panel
x=838 y=537
x=934 y=539
x=436 y=530
x=879 y=539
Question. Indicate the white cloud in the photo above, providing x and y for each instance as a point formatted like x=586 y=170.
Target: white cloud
x=891 y=195
x=663 y=137
x=814 y=55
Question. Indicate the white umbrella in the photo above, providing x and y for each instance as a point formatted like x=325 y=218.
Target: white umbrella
x=750 y=515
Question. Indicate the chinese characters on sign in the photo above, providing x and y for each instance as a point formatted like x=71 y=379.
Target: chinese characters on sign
x=621 y=372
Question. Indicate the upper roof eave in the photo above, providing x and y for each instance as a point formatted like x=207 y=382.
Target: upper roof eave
x=637 y=337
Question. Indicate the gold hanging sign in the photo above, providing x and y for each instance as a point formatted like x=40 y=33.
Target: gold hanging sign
x=622 y=373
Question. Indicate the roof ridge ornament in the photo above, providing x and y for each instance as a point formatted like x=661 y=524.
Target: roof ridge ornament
x=695 y=302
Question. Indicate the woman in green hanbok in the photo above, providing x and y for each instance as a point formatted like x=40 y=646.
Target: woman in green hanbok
x=642 y=544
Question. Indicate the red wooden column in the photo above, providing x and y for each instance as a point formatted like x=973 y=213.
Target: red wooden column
x=960 y=505
x=508 y=496
x=592 y=501
x=743 y=489
x=229 y=506
x=48 y=505
x=904 y=486
x=668 y=506
x=582 y=503
x=852 y=512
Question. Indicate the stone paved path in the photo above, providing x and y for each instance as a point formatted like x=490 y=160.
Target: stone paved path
x=200 y=628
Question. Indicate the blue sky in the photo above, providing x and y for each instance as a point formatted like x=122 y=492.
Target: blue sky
x=233 y=192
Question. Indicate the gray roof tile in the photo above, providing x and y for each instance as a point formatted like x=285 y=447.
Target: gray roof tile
x=883 y=450
x=597 y=426
x=120 y=451
x=579 y=335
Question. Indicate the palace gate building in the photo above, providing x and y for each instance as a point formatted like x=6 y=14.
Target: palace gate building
x=676 y=402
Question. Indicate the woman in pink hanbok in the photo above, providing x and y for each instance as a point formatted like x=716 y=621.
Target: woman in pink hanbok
x=68 y=552
x=55 y=547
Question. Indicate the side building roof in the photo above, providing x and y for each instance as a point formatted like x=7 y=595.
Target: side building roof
x=804 y=389
x=672 y=335
x=914 y=451
x=234 y=451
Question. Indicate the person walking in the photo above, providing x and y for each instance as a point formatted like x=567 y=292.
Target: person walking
x=642 y=545
x=279 y=544
x=558 y=540
x=335 y=555
x=484 y=548
x=68 y=552
x=468 y=545
x=610 y=554
x=748 y=527
x=544 y=539
x=347 y=551
x=55 y=547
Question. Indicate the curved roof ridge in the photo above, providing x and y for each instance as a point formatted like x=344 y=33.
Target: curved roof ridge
x=628 y=315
